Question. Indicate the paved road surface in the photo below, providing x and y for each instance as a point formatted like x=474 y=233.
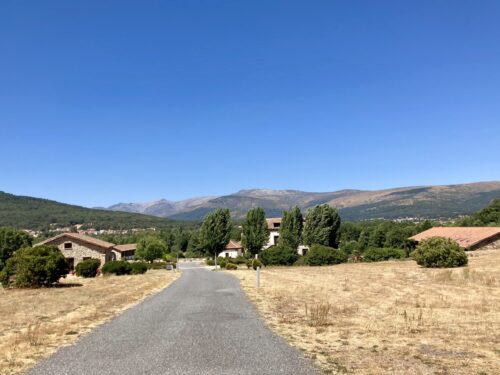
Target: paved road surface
x=201 y=324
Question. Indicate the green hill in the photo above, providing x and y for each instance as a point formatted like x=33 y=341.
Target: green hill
x=35 y=213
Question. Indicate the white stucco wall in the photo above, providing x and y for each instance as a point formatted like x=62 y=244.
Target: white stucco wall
x=231 y=253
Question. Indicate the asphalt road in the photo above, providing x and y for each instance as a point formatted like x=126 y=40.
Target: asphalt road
x=201 y=324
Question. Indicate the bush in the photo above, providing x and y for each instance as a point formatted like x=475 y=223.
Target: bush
x=301 y=261
x=221 y=262
x=254 y=263
x=438 y=252
x=376 y=254
x=161 y=265
x=210 y=262
x=138 y=268
x=240 y=260
x=320 y=255
x=34 y=267
x=88 y=268
x=279 y=256
x=117 y=267
x=231 y=266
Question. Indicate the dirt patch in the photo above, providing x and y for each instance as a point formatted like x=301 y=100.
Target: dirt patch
x=35 y=322
x=389 y=317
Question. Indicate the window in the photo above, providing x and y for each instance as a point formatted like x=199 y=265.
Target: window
x=227 y=255
x=85 y=258
x=68 y=245
x=275 y=239
x=276 y=225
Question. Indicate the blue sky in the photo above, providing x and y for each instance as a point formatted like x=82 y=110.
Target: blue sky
x=119 y=101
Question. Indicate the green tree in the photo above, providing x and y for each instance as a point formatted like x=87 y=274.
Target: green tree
x=439 y=252
x=291 y=229
x=322 y=226
x=215 y=231
x=34 y=267
x=181 y=239
x=10 y=241
x=364 y=240
x=150 y=248
x=255 y=233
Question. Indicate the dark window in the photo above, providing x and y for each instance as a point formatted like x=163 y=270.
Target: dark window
x=276 y=225
x=85 y=258
x=276 y=239
x=68 y=245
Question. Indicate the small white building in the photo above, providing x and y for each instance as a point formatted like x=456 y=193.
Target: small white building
x=274 y=225
x=233 y=250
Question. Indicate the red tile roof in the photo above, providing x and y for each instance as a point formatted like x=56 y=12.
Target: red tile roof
x=466 y=237
x=233 y=245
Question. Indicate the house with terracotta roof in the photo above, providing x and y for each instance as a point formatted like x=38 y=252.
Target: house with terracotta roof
x=274 y=225
x=470 y=238
x=77 y=247
x=233 y=250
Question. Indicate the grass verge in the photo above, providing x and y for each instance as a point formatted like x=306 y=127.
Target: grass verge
x=35 y=322
x=389 y=317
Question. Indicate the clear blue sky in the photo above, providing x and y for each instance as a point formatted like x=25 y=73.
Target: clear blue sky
x=111 y=101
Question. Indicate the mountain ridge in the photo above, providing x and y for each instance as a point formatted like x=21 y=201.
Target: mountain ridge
x=421 y=201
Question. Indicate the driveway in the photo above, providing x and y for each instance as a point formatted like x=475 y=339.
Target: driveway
x=201 y=324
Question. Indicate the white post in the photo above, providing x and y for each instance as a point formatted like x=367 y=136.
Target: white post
x=215 y=260
x=258 y=277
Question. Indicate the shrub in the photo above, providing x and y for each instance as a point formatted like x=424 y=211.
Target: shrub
x=438 y=252
x=300 y=262
x=320 y=255
x=221 y=262
x=240 y=260
x=150 y=248
x=138 y=268
x=117 y=267
x=279 y=256
x=210 y=262
x=160 y=265
x=256 y=263
x=231 y=266
x=88 y=268
x=377 y=254
x=34 y=267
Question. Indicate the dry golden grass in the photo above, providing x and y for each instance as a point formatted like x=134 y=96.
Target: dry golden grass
x=387 y=318
x=35 y=322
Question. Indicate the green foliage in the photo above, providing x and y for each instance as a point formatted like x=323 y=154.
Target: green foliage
x=301 y=261
x=215 y=231
x=231 y=266
x=117 y=267
x=320 y=255
x=256 y=263
x=488 y=216
x=210 y=262
x=88 y=268
x=34 y=267
x=349 y=231
x=291 y=228
x=34 y=213
x=222 y=262
x=322 y=226
x=279 y=256
x=255 y=233
x=240 y=260
x=379 y=254
x=439 y=252
x=349 y=247
x=161 y=265
x=138 y=268
x=150 y=248
x=10 y=241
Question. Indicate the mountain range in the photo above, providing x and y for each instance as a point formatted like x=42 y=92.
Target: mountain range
x=432 y=202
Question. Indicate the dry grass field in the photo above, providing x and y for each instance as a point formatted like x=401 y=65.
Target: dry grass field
x=389 y=317
x=35 y=322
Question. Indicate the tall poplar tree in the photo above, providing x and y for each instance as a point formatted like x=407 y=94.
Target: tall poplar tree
x=291 y=228
x=322 y=226
x=215 y=231
x=255 y=233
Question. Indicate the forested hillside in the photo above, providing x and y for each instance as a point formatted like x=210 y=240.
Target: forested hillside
x=35 y=213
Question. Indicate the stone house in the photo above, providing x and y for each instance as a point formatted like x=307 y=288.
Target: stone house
x=77 y=247
x=470 y=238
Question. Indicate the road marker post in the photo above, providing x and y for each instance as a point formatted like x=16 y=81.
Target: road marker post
x=258 y=276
